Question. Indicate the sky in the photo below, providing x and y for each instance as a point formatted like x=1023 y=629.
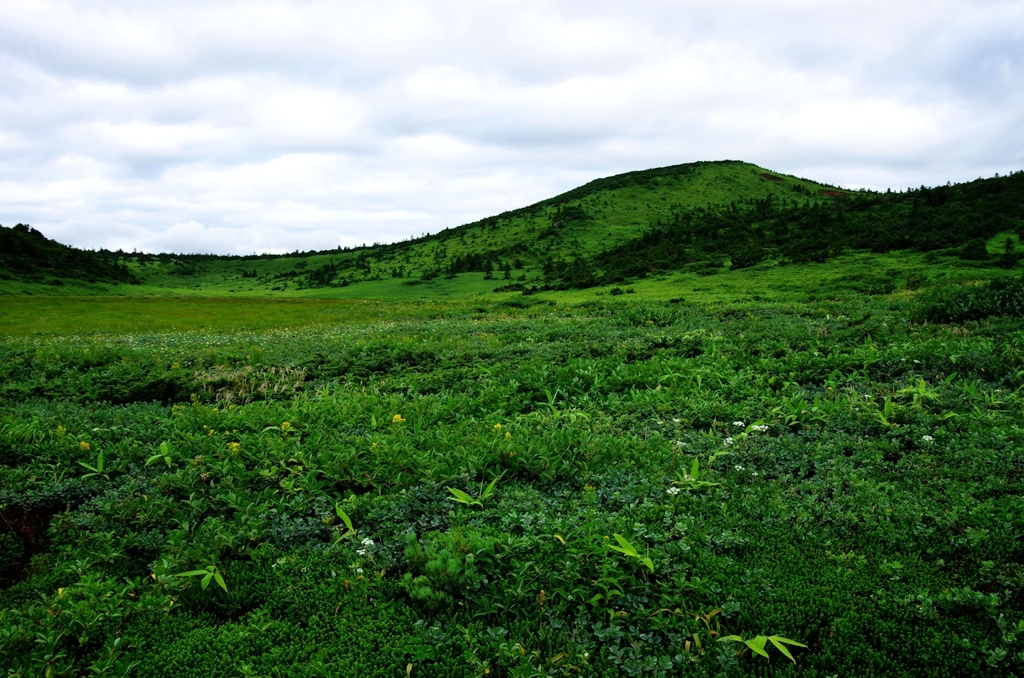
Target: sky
x=239 y=127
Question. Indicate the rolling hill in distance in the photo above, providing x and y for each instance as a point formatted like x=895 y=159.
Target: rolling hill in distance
x=697 y=230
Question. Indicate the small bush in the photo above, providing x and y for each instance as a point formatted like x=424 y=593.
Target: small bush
x=1003 y=297
x=974 y=250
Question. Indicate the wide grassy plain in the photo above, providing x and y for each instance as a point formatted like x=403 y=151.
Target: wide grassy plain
x=575 y=483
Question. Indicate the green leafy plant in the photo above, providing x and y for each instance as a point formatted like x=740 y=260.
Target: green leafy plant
x=210 y=573
x=165 y=454
x=96 y=470
x=351 y=533
x=630 y=551
x=467 y=499
x=693 y=479
x=757 y=644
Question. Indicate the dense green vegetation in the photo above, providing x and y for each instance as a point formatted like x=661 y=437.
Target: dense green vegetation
x=835 y=473
x=28 y=255
x=739 y=424
x=945 y=220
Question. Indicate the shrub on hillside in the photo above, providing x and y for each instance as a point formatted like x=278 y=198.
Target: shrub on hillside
x=974 y=250
x=1002 y=297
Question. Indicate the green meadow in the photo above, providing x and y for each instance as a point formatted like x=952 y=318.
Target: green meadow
x=576 y=439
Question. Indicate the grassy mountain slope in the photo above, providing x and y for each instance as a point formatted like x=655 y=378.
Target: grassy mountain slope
x=581 y=222
x=29 y=256
x=660 y=231
x=952 y=220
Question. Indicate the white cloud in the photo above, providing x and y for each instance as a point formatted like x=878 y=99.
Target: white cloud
x=274 y=125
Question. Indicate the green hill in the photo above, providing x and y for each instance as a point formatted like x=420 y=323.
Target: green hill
x=695 y=219
x=516 y=244
x=945 y=220
x=27 y=255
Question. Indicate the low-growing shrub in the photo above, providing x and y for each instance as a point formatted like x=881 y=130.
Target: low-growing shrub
x=1002 y=297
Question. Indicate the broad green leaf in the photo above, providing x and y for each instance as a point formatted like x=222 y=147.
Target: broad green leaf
x=206 y=580
x=695 y=469
x=192 y=573
x=488 y=490
x=778 y=641
x=153 y=458
x=757 y=645
x=461 y=497
x=627 y=548
x=99 y=462
x=344 y=517
x=165 y=448
x=220 y=580
x=648 y=562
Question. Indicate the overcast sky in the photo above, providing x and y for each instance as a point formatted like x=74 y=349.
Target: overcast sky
x=273 y=126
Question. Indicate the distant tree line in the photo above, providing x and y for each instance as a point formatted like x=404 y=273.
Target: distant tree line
x=26 y=254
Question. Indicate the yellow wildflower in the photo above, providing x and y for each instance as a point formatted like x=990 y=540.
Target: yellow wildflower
x=507 y=435
x=397 y=419
x=497 y=427
x=85 y=446
x=285 y=426
x=234 y=447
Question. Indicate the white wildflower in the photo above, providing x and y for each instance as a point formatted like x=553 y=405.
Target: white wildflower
x=738 y=467
x=673 y=491
x=738 y=423
x=359 y=570
x=755 y=474
x=760 y=428
x=680 y=443
x=728 y=441
x=361 y=552
x=367 y=542
x=927 y=439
